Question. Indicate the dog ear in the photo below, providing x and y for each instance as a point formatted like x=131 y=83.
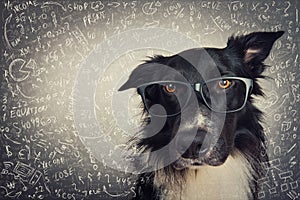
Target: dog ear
x=140 y=75
x=151 y=70
x=258 y=45
x=133 y=80
x=254 y=47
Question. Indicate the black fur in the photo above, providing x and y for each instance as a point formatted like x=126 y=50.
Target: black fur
x=243 y=57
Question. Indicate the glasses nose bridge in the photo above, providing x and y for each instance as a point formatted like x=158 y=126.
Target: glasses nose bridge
x=197 y=87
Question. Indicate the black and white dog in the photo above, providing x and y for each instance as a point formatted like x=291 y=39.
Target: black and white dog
x=210 y=125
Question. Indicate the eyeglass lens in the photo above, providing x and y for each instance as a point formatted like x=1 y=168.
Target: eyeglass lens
x=170 y=98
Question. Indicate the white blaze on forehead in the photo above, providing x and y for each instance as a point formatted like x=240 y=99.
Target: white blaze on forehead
x=201 y=121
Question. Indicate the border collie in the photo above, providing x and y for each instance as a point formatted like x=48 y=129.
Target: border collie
x=202 y=103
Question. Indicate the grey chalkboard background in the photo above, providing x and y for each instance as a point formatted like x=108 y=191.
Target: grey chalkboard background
x=43 y=45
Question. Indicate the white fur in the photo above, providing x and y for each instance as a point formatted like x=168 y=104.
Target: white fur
x=230 y=181
x=201 y=121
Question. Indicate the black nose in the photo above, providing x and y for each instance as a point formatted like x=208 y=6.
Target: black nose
x=192 y=150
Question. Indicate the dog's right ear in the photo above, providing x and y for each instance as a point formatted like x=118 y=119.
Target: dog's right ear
x=140 y=75
x=125 y=86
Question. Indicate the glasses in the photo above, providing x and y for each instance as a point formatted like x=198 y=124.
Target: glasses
x=169 y=98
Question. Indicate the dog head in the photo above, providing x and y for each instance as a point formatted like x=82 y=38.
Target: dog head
x=203 y=96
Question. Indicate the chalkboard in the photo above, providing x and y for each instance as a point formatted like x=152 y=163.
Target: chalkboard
x=51 y=49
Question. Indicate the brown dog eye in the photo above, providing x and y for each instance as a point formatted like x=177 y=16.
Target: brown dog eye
x=224 y=84
x=170 y=88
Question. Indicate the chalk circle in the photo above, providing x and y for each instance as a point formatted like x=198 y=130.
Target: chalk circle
x=90 y=132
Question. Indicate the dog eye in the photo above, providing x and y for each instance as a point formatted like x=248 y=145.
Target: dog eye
x=170 y=88
x=224 y=84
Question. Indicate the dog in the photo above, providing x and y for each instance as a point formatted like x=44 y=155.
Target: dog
x=202 y=102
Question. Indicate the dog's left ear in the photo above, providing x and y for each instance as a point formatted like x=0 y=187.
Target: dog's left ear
x=254 y=47
x=258 y=45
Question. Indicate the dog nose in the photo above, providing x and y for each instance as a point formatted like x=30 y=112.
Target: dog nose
x=195 y=150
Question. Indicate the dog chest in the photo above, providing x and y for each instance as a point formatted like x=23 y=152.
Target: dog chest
x=230 y=181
